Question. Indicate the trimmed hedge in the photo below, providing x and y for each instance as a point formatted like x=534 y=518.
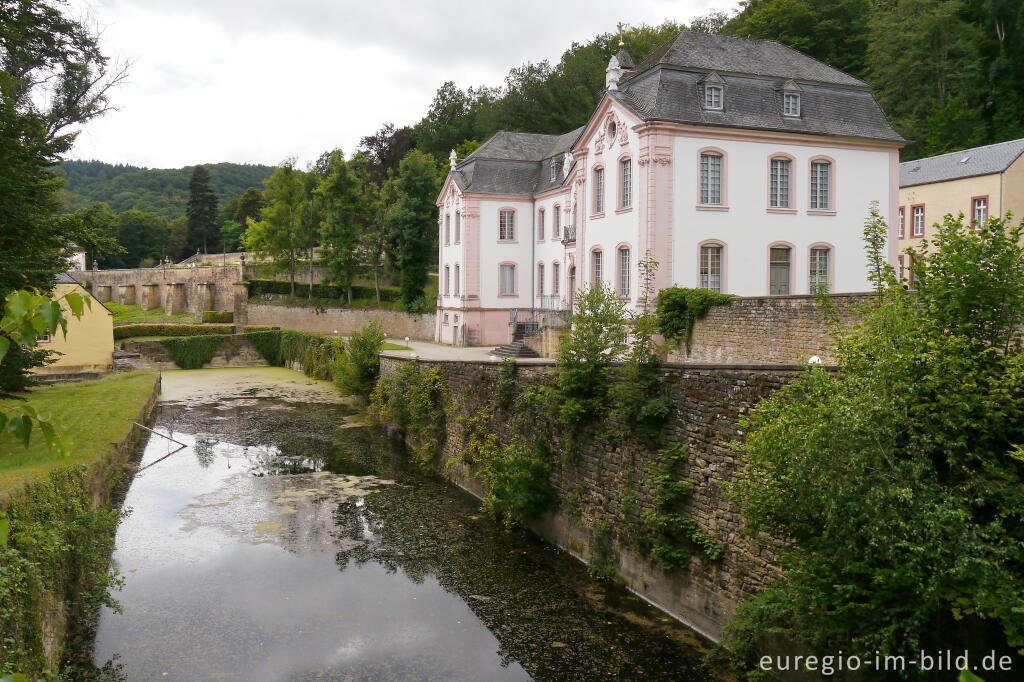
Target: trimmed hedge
x=331 y=291
x=126 y=331
x=226 y=316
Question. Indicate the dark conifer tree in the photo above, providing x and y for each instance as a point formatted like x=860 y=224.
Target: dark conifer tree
x=202 y=209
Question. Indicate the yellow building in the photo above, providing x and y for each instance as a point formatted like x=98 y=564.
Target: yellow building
x=89 y=345
x=977 y=182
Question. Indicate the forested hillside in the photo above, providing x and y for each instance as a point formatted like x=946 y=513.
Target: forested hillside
x=162 y=192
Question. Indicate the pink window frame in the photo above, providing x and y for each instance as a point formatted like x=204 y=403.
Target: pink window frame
x=515 y=225
x=554 y=280
x=458 y=227
x=458 y=277
x=725 y=261
x=593 y=193
x=792 y=267
x=515 y=279
x=831 y=210
x=792 y=185
x=831 y=265
x=632 y=184
x=447 y=229
x=556 y=210
x=724 y=206
x=618 y=269
x=540 y=225
x=447 y=280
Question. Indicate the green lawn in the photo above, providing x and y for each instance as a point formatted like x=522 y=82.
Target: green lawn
x=134 y=313
x=387 y=345
x=94 y=413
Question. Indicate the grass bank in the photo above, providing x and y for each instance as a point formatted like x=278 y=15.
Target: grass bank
x=125 y=314
x=96 y=414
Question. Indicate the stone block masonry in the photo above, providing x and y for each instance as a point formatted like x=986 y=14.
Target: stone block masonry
x=606 y=481
x=396 y=324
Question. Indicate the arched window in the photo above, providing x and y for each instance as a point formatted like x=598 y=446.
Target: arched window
x=624 y=271
x=823 y=182
x=447 y=281
x=597 y=266
x=507 y=272
x=598 y=191
x=625 y=183
x=779 y=269
x=447 y=229
x=820 y=275
x=540 y=225
x=507 y=225
x=556 y=282
x=712 y=266
x=712 y=174
x=457 y=279
x=780 y=182
x=556 y=224
x=458 y=227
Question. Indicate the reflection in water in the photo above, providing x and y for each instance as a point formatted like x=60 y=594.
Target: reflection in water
x=289 y=546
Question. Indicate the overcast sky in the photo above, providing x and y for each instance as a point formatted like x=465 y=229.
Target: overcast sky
x=258 y=81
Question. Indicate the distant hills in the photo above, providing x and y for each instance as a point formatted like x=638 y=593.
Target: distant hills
x=161 y=191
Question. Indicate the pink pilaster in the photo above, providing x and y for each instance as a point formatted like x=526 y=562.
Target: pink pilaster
x=655 y=200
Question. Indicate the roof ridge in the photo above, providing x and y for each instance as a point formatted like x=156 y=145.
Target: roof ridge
x=962 y=151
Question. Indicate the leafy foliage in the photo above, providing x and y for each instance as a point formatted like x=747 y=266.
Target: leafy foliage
x=411 y=225
x=898 y=483
x=414 y=400
x=360 y=365
x=192 y=352
x=518 y=484
x=679 y=308
x=218 y=316
x=127 y=331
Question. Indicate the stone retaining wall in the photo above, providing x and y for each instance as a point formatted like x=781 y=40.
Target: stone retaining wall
x=233 y=352
x=176 y=290
x=597 y=486
x=397 y=324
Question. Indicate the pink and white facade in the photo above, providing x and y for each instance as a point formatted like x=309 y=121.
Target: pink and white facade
x=739 y=165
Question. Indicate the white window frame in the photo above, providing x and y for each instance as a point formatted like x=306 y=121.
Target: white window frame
x=710 y=193
x=596 y=266
x=540 y=279
x=554 y=171
x=556 y=283
x=902 y=222
x=711 y=267
x=982 y=203
x=598 y=191
x=819 y=275
x=626 y=182
x=820 y=187
x=788 y=99
x=714 y=97
x=624 y=272
x=780 y=183
x=506 y=228
x=917 y=215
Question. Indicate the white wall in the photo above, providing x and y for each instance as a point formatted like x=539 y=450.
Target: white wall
x=452 y=253
x=747 y=228
x=493 y=252
x=551 y=249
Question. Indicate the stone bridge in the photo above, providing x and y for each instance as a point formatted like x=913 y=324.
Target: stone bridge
x=176 y=290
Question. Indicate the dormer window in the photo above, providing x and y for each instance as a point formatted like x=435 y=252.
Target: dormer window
x=554 y=171
x=713 y=97
x=791 y=104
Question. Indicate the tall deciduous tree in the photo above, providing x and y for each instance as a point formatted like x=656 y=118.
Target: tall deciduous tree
x=343 y=204
x=411 y=224
x=202 y=210
x=275 y=234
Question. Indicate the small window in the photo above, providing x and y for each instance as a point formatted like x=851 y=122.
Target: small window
x=820 y=186
x=447 y=229
x=711 y=268
x=624 y=273
x=819 y=282
x=791 y=104
x=626 y=173
x=556 y=225
x=596 y=258
x=713 y=97
x=778 y=271
x=899 y=269
x=540 y=279
x=457 y=274
x=556 y=283
x=446 y=318
x=612 y=130
x=780 y=183
x=458 y=227
x=901 y=221
x=918 y=216
x=540 y=224
x=554 y=171
x=711 y=179
x=508 y=280
x=507 y=226
x=447 y=281
x=980 y=211
x=599 y=190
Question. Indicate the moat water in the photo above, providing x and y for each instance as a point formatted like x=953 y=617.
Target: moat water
x=286 y=541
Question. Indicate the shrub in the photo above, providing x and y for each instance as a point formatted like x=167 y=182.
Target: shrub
x=360 y=363
x=193 y=352
x=518 y=485
x=227 y=316
x=127 y=331
x=415 y=401
x=316 y=354
x=679 y=308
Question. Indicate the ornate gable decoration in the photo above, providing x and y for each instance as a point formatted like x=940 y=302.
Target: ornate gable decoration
x=612 y=128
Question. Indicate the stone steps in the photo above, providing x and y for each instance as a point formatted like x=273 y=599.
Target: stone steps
x=516 y=349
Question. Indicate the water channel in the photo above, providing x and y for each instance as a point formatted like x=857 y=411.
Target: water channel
x=288 y=542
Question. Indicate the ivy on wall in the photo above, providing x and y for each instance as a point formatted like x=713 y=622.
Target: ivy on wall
x=192 y=352
x=679 y=308
x=415 y=400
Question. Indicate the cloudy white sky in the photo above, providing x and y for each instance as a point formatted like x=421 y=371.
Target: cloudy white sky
x=258 y=81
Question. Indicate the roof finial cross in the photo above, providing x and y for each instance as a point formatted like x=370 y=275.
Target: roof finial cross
x=621 y=26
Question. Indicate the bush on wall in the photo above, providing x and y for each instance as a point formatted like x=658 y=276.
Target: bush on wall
x=679 y=308
x=223 y=316
x=127 y=331
x=192 y=352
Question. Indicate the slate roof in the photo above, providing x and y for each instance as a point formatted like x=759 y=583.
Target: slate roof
x=515 y=163
x=992 y=158
x=668 y=86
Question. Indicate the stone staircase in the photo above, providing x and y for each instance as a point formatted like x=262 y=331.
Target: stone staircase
x=516 y=349
x=125 y=361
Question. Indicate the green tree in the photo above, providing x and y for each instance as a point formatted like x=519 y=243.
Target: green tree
x=142 y=236
x=202 y=210
x=276 y=233
x=248 y=206
x=177 y=238
x=342 y=197
x=898 y=482
x=411 y=224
